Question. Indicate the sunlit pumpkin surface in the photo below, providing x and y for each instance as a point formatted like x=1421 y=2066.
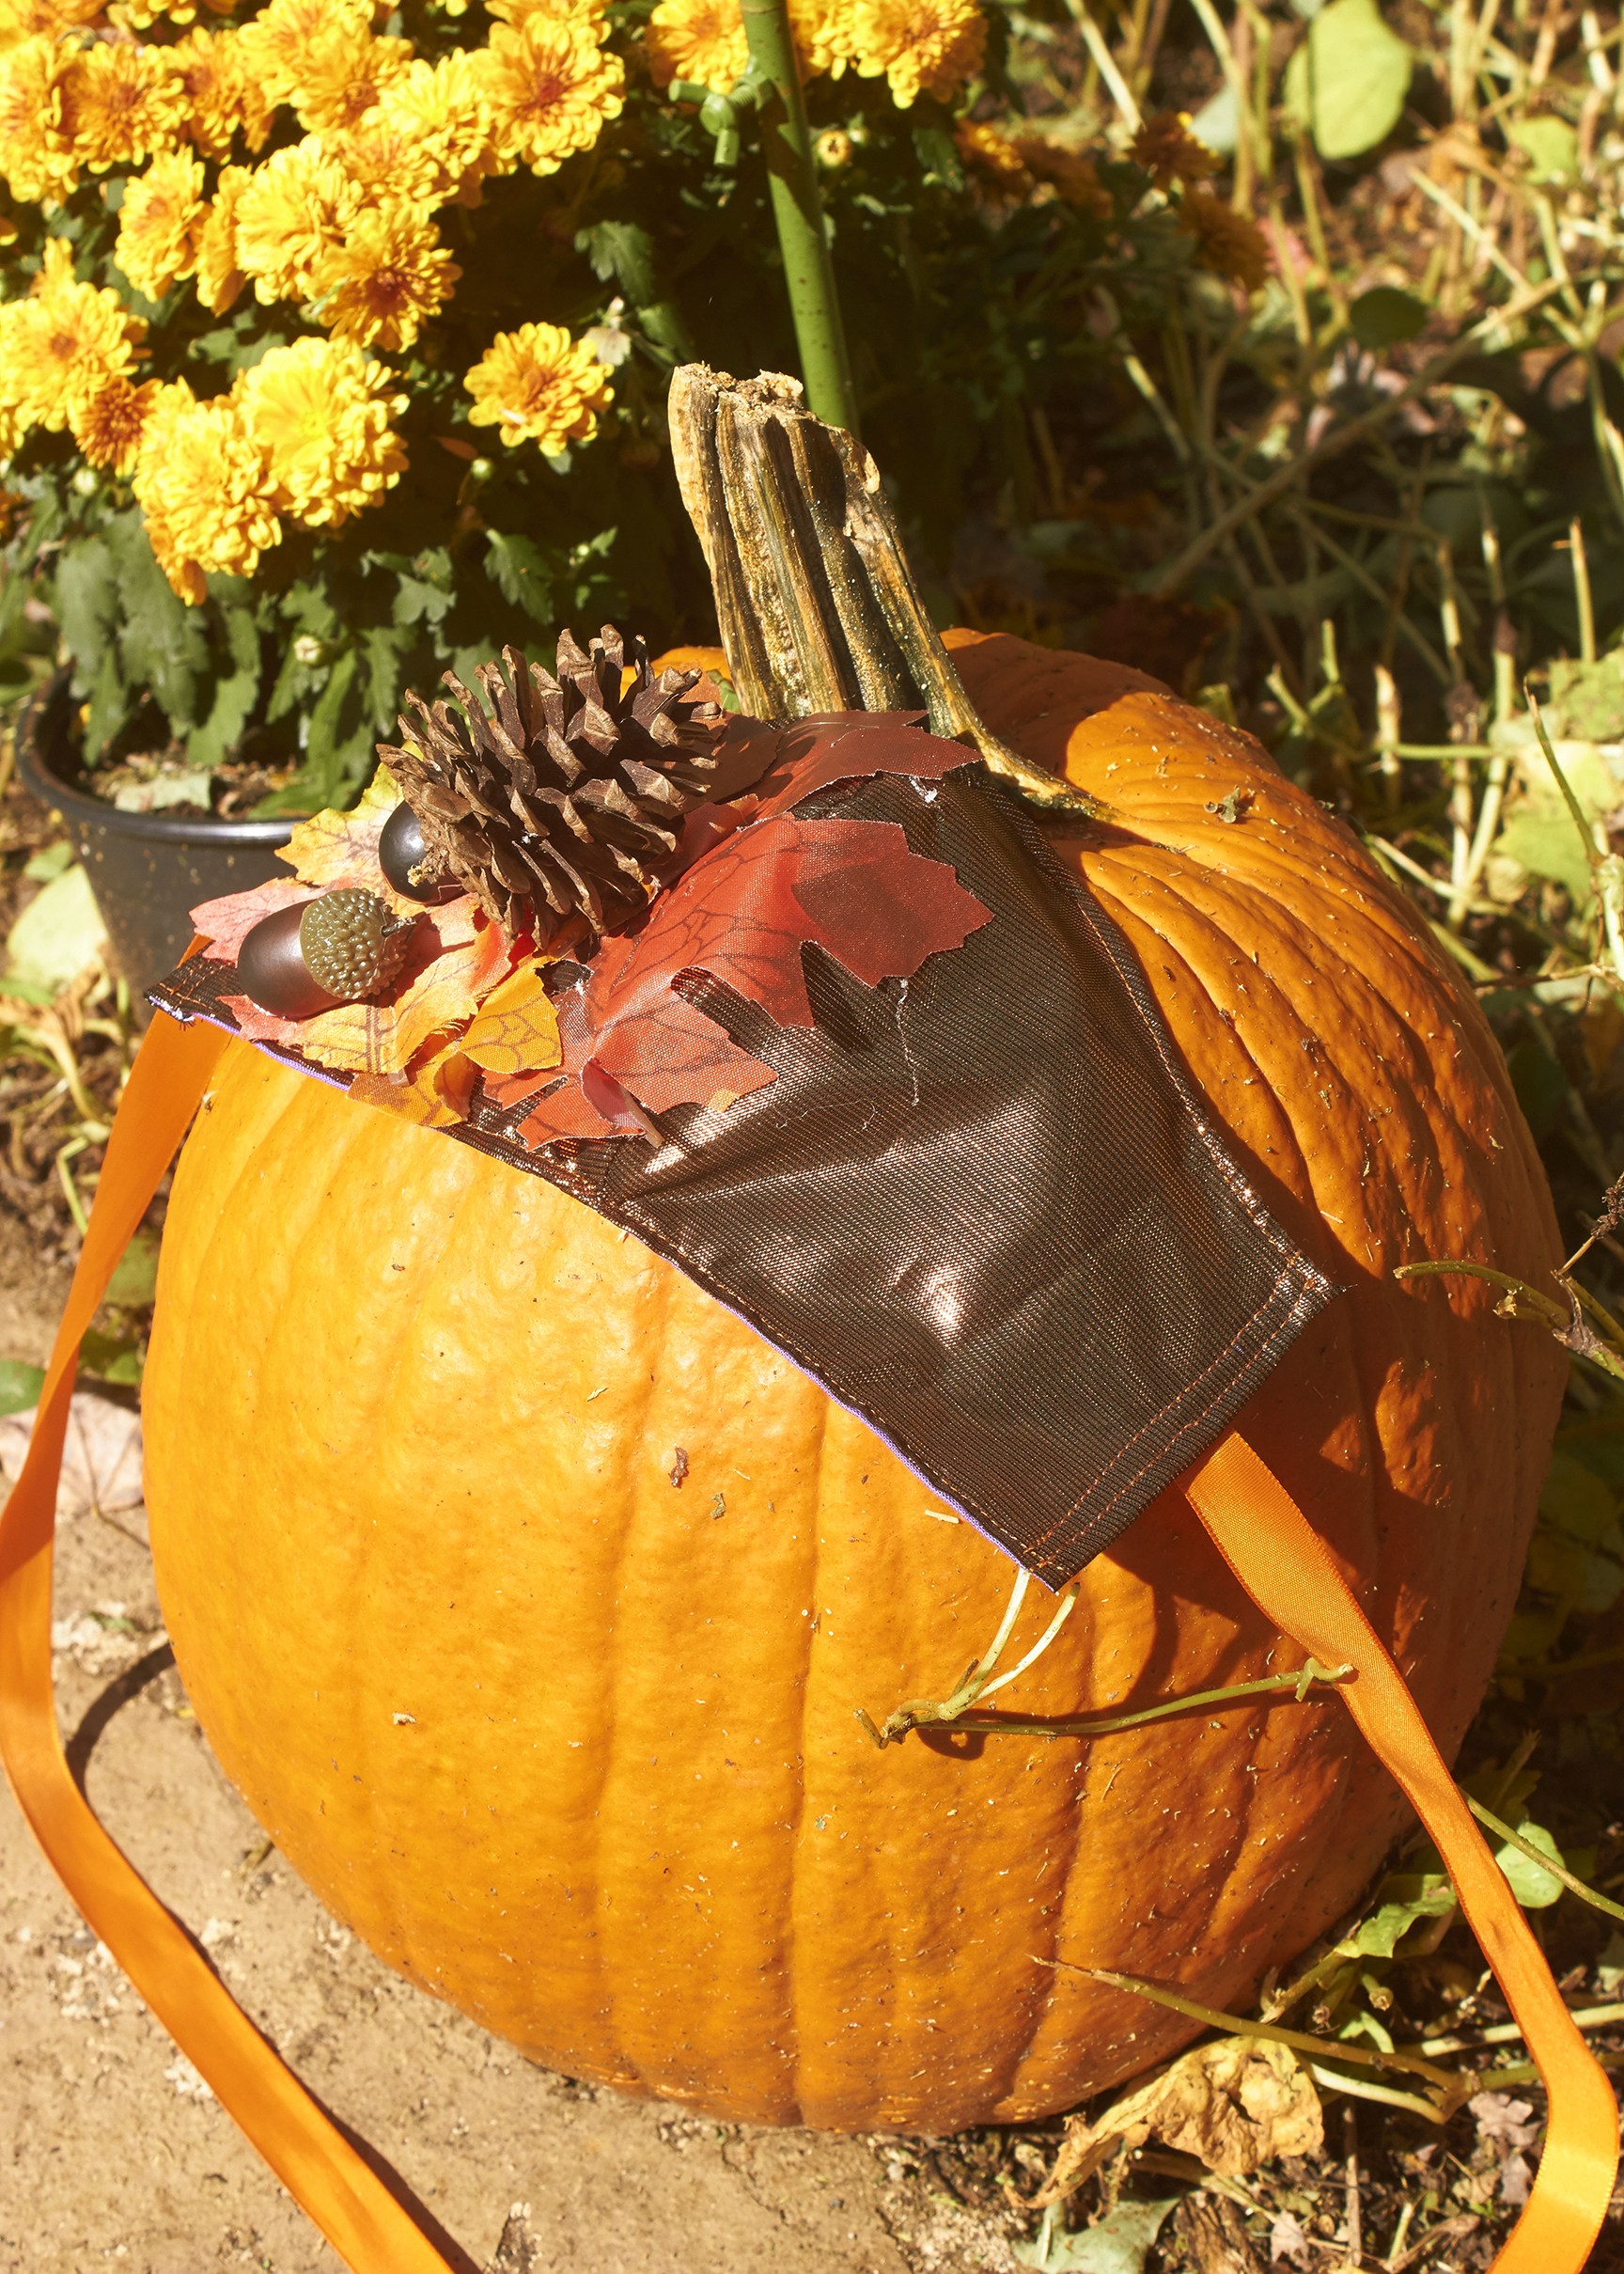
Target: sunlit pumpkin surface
x=574 y=1746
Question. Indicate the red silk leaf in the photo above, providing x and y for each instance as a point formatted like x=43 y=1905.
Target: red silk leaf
x=850 y=745
x=742 y=915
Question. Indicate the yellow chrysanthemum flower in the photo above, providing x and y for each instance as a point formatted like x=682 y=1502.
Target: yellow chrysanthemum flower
x=158 y=223
x=550 y=88
x=519 y=12
x=123 y=105
x=37 y=153
x=698 y=39
x=1169 y=152
x=387 y=278
x=295 y=209
x=919 y=45
x=538 y=384
x=199 y=478
x=992 y=157
x=109 y=423
x=63 y=342
x=138 y=15
x=429 y=140
x=221 y=97
x=320 y=415
x=214 y=244
x=342 y=74
x=22 y=20
x=272 y=46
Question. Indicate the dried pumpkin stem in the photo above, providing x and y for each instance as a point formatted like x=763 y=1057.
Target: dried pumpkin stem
x=817 y=603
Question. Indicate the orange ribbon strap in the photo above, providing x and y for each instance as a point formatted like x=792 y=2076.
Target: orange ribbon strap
x=1292 y=1577
x=311 y=2157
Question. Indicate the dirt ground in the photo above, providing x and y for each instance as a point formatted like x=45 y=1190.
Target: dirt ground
x=116 y=2155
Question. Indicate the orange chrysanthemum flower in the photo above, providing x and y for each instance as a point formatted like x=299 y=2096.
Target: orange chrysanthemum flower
x=214 y=244
x=221 y=97
x=1227 y=243
x=109 y=423
x=64 y=341
x=200 y=479
x=930 y=46
x=387 y=278
x=1169 y=152
x=123 y=105
x=536 y=383
x=549 y=87
x=321 y=415
x=992 y=158
x=37 y=151
x=1072 y=178
x=158 y=223
x=293 y=212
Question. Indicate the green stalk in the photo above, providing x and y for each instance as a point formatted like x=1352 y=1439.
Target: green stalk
x=797 y=210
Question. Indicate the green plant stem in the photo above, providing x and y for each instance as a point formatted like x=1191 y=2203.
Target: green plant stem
x=797 y=210
x=1086 y=1725
x=1321 y=2048
x=1558 y=1871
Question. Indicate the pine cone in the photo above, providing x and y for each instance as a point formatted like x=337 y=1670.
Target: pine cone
x=561 y=799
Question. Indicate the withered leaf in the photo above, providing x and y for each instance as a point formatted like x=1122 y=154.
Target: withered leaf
x=1234 y=2104
x=334 y=850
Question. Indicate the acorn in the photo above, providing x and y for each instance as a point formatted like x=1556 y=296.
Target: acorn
x=340 y=948
x=408 y=863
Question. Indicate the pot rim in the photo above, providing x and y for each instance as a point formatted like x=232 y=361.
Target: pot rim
x=40 y=779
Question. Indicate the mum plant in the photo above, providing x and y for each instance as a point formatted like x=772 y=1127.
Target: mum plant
x=335 y=340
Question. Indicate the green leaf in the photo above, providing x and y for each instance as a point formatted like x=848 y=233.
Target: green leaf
x=1547 y=844
x=162 y=644
x=1540 y=1085
x=135 y=1279
x=236 y=690
x=1379 y=1935
x=1348 y=80
x=20 y=1386
x=1385 y=315
x=57 y=934
x=85 y=604
x=1534 y=1890
x=383 y=653
x=1550 y=145
x=518 y=569
x=418 y=600
x=111 y=1358
x=1118 y=2244
x=938 y=156
x=625 y=251
x=49 y=862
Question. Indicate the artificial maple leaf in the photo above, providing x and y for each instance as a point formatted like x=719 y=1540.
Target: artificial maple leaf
x=517 y=1029
x=850 y=745
x=742 y=915
x=334 y=849
x=453 y=960
x=225 y=923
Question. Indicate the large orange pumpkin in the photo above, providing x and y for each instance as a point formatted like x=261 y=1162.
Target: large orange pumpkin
x=572 y=1743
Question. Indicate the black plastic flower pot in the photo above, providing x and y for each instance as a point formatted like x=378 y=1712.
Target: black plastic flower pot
x=145 y=869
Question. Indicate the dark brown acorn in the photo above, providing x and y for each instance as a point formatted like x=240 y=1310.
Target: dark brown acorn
x=563 y=799
x=407 y=863
x=340 y=947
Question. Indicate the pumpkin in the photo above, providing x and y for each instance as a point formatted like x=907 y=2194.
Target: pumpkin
x=527 y=1596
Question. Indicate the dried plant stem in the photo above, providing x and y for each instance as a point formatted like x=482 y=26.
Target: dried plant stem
x=1344 y=438
x=817 y=605
x=798 y=213
x=1105 y=64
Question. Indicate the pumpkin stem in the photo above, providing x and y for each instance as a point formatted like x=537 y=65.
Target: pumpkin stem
x=817 y=605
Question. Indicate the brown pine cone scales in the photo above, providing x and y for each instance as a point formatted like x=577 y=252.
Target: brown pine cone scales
x=564 y=796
